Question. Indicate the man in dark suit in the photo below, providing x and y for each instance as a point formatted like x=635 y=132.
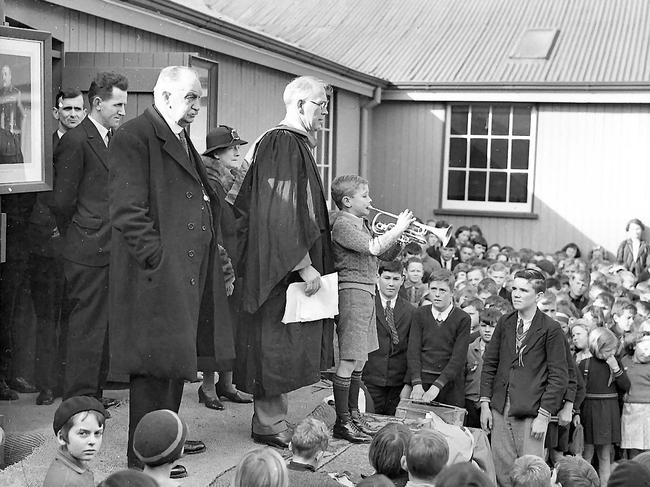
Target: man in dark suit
x=384 y=374
x=168 y=304
x=524 y=376
x=80 y=205
x=45 y=266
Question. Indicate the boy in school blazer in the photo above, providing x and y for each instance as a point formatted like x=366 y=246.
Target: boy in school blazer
x=524 y=376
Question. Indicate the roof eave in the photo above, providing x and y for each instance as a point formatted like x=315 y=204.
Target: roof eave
x=520 y=86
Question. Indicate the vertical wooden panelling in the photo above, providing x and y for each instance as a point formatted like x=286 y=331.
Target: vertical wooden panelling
x=404 y=162
x=347 y=120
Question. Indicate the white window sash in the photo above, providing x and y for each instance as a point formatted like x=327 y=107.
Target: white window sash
x=486 y=205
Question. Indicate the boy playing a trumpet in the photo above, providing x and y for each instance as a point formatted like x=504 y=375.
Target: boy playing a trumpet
x=356 y=250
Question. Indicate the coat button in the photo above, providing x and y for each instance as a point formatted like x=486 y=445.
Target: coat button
x=202 y=208
x=190 y=226
x=193 y=282
x=190 y=253
x=100 y=250
x=204 y=228
x=189 y=195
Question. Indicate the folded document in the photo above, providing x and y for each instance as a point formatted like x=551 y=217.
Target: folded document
x=323 y=304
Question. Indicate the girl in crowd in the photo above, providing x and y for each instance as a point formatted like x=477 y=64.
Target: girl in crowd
x=600 y=414
x=635 y=420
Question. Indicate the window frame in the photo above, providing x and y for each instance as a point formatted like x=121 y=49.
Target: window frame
x=489 y=206
x=327 y=134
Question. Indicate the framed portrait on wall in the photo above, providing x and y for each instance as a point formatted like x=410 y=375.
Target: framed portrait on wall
x=25 y=99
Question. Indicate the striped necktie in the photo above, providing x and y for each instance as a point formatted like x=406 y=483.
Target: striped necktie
x=520 y=334
x=390 y=319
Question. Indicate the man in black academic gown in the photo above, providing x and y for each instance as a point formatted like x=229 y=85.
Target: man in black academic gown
x=287 y=239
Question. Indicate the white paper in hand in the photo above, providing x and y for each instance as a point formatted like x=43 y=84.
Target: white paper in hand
x=324 y=304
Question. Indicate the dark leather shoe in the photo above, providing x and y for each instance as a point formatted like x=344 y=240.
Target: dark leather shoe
x=350 y=432
x=362 y=424
x=109 y=402
x=6 y=393
x=210 y=402
x=194 y=446
x=279 y=440
x=20 y=384
x=237 y=396
x=45 y=397
x=178 y=472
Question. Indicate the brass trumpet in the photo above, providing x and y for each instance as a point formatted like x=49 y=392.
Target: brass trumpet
x=416 y=232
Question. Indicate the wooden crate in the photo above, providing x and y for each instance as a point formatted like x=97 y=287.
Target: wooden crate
x=413 y=409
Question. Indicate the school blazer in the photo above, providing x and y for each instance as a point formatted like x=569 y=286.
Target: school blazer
x=387 y=366
x=536 y=378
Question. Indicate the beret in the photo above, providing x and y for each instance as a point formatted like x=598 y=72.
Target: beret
x=74 y=405
x=159 y=437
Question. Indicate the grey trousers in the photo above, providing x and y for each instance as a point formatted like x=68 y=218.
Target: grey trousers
x=270 y=414
x=511 y=439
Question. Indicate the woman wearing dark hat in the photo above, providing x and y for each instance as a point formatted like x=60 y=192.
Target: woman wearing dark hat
x=224 y=166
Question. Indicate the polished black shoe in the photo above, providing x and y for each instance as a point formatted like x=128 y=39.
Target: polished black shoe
x=178 y=472
x=20 y=384
x=237 y=396
x=278 y=440
x=6 y=393
x=45 y=397
x=109 y=402
x=210 y=402
x=350 y=432
x=194 y=446
x=362 y=423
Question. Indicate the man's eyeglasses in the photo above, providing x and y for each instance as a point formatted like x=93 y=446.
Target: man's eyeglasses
x=323 y=104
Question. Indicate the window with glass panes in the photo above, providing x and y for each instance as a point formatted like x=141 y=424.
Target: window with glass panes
x=324 y=151
x=489 y=158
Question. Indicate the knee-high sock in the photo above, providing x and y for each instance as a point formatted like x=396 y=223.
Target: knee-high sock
x=341 y=386
x=355 y=385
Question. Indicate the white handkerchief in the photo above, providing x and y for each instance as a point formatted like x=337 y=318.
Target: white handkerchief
x=324 y=304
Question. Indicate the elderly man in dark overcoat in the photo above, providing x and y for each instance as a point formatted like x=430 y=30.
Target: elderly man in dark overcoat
x=168 y=305
x=288 y=240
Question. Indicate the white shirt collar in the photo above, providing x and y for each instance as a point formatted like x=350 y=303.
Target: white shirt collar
x=100 y=128
x=385 y=300
x=441 y=316
x=173 y=124
x=60 y=134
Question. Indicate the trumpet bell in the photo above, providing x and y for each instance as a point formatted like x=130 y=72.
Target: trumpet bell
x=416 y=232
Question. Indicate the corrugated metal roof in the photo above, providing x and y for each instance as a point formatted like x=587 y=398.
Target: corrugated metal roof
x=457 y=41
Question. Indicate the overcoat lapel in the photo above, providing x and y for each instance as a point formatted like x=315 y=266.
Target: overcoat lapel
x=96 y=143
x=171 y=144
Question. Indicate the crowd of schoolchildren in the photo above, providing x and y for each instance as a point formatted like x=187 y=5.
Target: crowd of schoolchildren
x=414 y=324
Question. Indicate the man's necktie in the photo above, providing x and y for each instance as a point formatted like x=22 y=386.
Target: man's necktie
x=109 y=136
x=390 y=319
x=183 y=139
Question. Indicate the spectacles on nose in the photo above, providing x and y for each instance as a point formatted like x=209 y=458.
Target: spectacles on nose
x=322 y=104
